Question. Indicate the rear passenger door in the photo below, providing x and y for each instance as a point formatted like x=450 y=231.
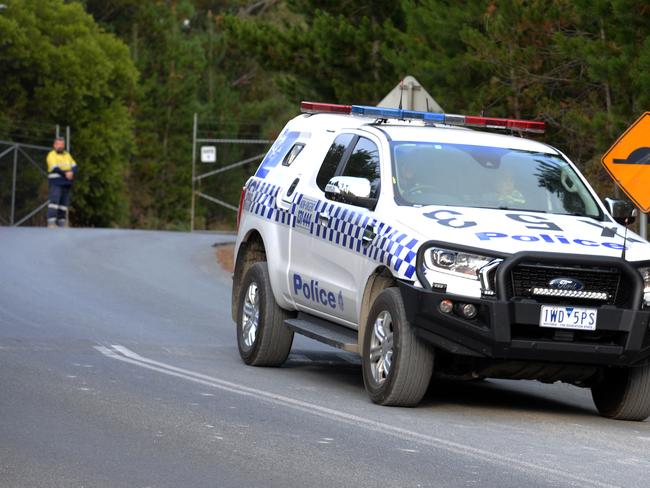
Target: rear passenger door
x=328 y=261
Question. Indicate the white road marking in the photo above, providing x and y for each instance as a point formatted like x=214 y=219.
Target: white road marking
x=125 y=355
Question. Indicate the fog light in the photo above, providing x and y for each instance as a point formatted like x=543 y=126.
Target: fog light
x=446 y=306
x=468 y=310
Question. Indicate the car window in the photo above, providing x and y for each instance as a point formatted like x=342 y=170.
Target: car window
x=431 y=173
x=332 y=159
x=364 y=163
x=293 y=154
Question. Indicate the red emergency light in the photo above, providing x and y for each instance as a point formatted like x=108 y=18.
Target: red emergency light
x=314 y=108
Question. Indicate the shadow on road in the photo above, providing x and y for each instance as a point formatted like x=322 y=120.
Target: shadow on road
x=331 y=368
x=500 y=395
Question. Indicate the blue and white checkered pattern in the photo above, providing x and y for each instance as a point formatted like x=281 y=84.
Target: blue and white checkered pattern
x=263 y=202
x=394 y=249
x=344 y=227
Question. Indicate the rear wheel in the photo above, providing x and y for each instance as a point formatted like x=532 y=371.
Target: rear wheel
x=397 y=365
x=262 y=337
x=624 y=393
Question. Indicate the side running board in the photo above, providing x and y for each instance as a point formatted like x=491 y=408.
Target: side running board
x=324 y=331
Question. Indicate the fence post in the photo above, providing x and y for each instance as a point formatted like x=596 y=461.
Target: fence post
x=13 y=185
x=67 y=148
x=194 y=133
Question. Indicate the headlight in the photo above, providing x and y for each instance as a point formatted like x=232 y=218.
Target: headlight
x=645 y=274
x=461 y=264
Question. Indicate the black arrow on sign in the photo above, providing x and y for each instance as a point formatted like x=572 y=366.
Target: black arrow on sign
x=638 y=156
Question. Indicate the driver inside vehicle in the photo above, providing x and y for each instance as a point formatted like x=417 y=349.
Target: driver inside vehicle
x=507 y=193
x=413 y=180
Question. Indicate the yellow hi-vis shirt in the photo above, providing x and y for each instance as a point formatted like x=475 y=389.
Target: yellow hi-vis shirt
x=57 y=165
x=63 y=161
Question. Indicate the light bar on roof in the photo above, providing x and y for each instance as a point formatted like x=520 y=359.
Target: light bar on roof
x=315 y=108
x=430 y=117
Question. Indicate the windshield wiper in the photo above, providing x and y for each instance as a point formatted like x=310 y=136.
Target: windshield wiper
x=503 y=207
x=578 y=214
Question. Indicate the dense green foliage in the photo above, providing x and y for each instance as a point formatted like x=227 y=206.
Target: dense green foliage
x=129 y=81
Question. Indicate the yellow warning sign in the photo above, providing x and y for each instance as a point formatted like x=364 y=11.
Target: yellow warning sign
x=628 y=162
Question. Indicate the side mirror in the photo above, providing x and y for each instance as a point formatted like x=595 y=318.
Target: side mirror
x=351 y=190
x=623 y=211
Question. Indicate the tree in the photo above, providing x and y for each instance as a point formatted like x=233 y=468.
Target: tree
x=335 y=53
x=189 y=64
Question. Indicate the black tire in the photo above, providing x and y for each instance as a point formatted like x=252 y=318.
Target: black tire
x=624 y=393
x=412 y=360
x=272 y=340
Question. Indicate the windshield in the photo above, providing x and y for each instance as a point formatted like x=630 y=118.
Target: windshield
x=429 y=173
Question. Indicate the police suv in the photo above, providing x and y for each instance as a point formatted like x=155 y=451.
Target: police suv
x=428 y=247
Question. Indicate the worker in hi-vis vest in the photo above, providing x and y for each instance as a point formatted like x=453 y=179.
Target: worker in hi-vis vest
x=61 y=170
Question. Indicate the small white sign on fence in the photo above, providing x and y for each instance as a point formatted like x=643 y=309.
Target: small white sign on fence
x=208 y=154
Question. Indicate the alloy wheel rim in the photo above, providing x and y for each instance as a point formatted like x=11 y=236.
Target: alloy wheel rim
x=381 y=347
x=251 y=315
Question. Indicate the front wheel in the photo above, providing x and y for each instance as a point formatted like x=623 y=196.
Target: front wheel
x=624 y=393
x=397 y=365
x=262 y=337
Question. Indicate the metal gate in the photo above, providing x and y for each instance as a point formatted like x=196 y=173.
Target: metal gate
x=254 y=150
x=23 y=181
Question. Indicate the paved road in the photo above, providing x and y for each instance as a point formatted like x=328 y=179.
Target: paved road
x=119 y=368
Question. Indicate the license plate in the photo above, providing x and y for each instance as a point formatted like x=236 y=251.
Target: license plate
x=568 y=317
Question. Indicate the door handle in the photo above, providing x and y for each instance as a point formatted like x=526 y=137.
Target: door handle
x=369 y=234
x=323 y=218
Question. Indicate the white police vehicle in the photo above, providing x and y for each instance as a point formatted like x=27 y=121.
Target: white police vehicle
x=430 y=248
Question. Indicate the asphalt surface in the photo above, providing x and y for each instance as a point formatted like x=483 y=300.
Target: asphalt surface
x=119 y=368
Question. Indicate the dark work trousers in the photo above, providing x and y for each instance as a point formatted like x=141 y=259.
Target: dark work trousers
x=59 y=196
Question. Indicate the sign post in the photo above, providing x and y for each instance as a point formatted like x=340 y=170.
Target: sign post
x=628 y=163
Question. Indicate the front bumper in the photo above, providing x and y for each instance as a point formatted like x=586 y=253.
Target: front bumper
x=508 y=328
x=505 y=330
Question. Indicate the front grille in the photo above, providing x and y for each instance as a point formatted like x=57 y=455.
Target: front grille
x=604 y=283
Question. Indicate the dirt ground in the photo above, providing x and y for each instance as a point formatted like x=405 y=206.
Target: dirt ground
x=225 y=257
